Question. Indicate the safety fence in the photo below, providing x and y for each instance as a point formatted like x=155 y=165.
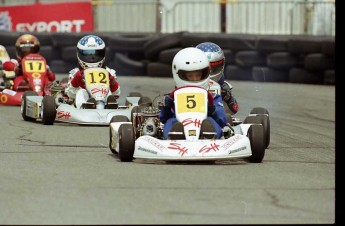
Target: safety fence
x=285 y=17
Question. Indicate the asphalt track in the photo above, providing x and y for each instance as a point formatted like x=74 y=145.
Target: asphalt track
x=66 y=174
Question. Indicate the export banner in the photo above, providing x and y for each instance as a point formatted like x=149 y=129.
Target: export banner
x=50 y=17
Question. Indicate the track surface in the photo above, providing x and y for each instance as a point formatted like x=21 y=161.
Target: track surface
x=65 y=174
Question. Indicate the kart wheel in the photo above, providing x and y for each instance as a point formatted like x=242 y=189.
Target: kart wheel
x=256 y=137
x=24 y=103
x=48 y=110
x=116 y=118
x=145 y=101
x=259 y=110
x=265 y=121
x=126 y=142
x=135 y=94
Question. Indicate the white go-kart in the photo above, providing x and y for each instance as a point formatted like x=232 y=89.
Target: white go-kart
x=142 y=136
x=58 y=107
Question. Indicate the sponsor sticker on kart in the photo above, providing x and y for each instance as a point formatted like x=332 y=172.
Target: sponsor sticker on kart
x=9 y=92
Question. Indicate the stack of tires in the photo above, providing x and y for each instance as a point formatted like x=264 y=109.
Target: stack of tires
x=266 y=58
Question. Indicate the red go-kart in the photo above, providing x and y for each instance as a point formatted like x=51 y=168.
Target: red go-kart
x=34 y=79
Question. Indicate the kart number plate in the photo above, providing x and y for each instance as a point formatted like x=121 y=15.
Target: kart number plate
x=188 y=102
x=96 y=76
x=35 y=66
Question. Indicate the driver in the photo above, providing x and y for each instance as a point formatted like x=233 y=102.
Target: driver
x=217 y=60
x=25 y=44
x=90 y=54
x=190 y=67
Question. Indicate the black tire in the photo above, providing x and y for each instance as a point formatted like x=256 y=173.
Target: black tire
x=256 y=137
x=264 y=121
x=259 y=110
x=145 y=101
x=116 y=118
x=135 y=94
x=126 y=142
x=48 y=110
x=23 y=105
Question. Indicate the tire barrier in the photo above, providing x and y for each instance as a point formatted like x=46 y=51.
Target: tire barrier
x=270 y=58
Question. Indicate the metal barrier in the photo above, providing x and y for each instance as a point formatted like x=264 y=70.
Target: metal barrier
x=312 y=17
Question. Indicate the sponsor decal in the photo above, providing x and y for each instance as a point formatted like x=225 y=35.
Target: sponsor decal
x=43 y=17
x=36 y=75
x=35 y=110
x=3 y=98
x=147 y=150
x=237 y=150
x=9 y=92
x=192 y=132
x=177 y=146
x=152 y=141
x=231 y=141
x=63 y=115
x=197 y=122
x=205 y=149
x=96 y=90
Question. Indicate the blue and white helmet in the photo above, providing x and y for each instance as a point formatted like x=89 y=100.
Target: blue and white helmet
x=91 y=51
x=216 y=57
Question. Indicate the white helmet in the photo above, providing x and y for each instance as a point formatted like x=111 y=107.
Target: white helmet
x=216 y=57
x=91 y=51
x=190 y=59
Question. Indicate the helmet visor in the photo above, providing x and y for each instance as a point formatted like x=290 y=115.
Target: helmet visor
x=25 y=50
x=91 y=55
x=216 y=67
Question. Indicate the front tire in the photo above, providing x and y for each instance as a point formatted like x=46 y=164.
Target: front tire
x=256 y=137
x=126 y=142
x=48 y=110
x=265 y=121
x=116 y=118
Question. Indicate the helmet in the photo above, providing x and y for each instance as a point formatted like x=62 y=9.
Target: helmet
x=187 y=60
x=90 y=51
x=26 y=44
x=216 y=57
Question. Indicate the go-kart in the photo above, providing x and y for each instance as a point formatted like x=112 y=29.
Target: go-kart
x=34 y=80
x=142 y=136
x=59 y=107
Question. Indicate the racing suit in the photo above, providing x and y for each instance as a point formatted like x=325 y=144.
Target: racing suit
x=75 y=89
x=16 y=66
x=215 y=113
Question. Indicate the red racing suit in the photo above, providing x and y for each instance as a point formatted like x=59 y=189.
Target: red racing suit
x=16 y=66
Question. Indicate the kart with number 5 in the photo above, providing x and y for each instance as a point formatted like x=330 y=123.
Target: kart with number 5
x=142 y=136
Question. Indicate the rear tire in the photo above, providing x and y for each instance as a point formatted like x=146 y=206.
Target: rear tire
x=256 y=137
x=24 y=103
x=116 y=118
x=126 y=142
x=48 y=110
x=146 y=101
